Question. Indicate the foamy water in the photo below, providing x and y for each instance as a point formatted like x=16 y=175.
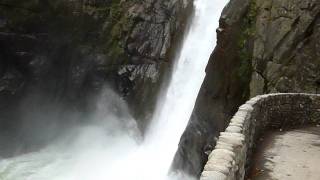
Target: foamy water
x=105 y=150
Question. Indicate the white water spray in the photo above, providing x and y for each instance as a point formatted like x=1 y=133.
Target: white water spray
x=89 y=153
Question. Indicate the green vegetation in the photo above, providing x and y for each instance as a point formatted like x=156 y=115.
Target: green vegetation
x=100 y=26
x=245 y=47
x=119 y=26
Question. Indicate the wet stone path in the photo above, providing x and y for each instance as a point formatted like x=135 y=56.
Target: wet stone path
x=290 y=155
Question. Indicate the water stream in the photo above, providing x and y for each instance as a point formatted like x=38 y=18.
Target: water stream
x=89 y=153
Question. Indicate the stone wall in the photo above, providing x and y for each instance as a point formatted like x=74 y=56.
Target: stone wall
x=231 y=156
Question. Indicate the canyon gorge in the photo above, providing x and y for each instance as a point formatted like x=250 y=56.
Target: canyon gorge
x=141 y=89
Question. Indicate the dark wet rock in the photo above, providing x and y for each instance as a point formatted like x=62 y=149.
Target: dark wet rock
x=64 y=52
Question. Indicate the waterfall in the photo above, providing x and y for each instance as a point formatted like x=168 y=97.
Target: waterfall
x=88 y=153
x=171 y=120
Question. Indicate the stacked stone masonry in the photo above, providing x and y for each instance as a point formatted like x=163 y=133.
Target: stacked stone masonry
x=231 y=156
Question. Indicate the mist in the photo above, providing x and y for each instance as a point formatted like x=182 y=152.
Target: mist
x=108 y=145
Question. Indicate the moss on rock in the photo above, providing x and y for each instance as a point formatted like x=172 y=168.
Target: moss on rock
x=245 y=43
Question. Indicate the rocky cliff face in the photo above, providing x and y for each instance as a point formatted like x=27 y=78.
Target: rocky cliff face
x=286 y=55
x=63 y=52
x=263 y=46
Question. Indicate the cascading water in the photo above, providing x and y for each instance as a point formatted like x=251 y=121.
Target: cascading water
x=88 y=153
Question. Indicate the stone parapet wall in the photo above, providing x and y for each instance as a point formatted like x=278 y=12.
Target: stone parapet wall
x=231 y=156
